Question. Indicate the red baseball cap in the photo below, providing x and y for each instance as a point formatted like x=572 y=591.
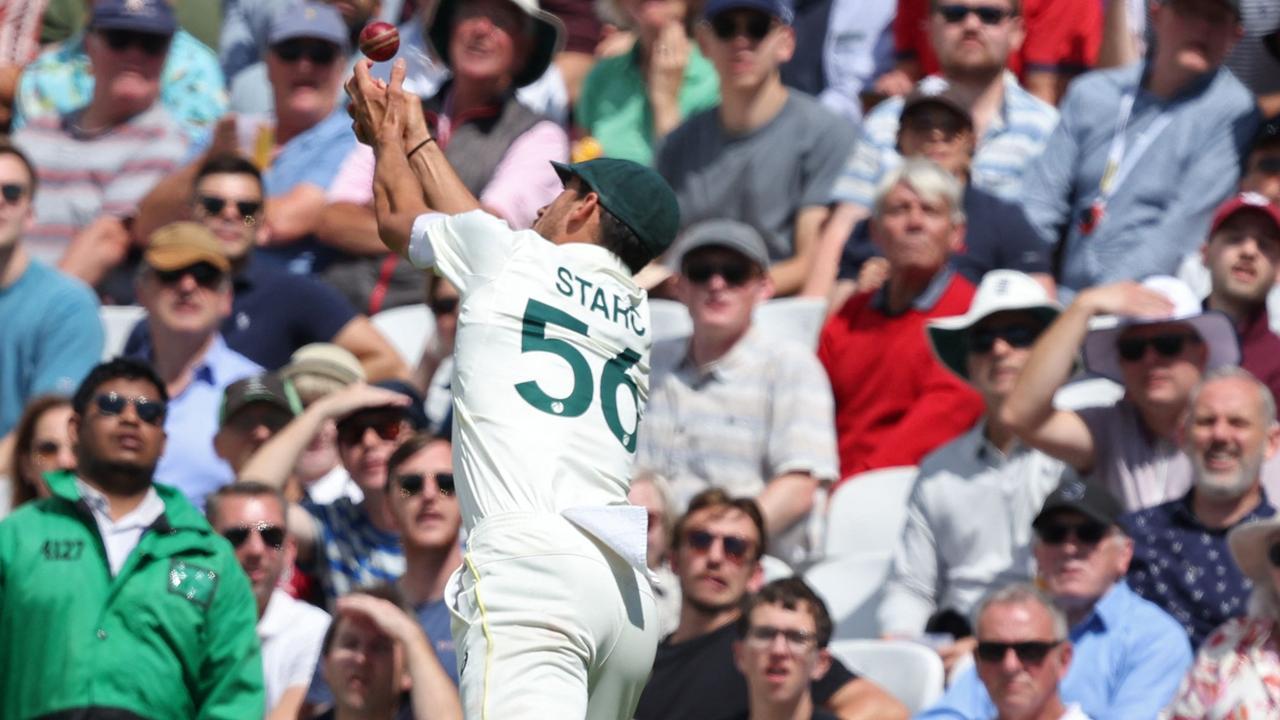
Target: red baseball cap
x=1241 y=202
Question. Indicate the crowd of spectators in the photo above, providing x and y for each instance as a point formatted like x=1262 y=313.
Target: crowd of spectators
x=996 y=207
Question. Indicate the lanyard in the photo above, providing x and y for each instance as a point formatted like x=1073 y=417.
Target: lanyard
x=1121 y=159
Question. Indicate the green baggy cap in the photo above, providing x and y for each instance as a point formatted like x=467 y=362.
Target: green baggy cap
x=635 y=194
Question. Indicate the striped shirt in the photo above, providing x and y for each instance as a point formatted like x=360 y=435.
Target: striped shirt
x=762 y=410
x=1249 y=59
x=84 y=176
x=355 y=553
x=1014 y=136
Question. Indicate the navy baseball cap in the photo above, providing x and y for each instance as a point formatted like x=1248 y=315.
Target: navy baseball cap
x=308 y=20
x=780 y=9
x=155 y=17
x=636 y=194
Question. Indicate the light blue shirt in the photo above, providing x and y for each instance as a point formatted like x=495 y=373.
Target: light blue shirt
x=1129 y=657
x=189 y=462
x=1160 y=210
x=1014 y=136
x=50 y=337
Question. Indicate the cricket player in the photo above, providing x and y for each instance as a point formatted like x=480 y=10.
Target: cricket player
x=553 y=615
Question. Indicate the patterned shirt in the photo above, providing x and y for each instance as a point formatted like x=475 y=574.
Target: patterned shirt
x=1236 y=675
x=1186 y=568
x=762 y=410
x=60 y=80
x=355 y=552
x=1014 y=136
x=84 y=176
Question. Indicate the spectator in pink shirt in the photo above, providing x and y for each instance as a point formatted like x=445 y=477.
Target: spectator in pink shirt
x=500 y=149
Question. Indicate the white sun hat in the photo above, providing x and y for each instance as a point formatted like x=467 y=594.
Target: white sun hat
x=999 y=291
x=1103 y=358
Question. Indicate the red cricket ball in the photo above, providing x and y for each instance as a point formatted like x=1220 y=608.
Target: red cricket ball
x=379 y=41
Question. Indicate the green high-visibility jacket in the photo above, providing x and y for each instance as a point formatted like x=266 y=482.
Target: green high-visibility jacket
x=172 y=636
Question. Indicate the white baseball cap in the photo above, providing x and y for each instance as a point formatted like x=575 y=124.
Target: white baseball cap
x=999 y=291
x=1103 y=358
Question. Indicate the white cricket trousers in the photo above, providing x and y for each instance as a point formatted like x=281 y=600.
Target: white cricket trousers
x=549 y=622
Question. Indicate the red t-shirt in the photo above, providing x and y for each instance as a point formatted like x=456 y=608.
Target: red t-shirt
x=895 y=403
x=1062 y=35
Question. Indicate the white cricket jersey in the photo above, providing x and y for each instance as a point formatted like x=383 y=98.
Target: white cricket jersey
x=551 y=368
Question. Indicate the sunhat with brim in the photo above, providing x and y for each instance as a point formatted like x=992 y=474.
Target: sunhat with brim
x=1101 y=356
x=999 y=291
x=548 y=37
x=1249 y=546
x=325 y=360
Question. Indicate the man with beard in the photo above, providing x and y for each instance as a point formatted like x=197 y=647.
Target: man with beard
x=1181 y=561
x=116 y=598
x=251 y=516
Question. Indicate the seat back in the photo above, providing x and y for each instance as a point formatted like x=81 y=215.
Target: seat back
x=852 y=587
x=117 y=323
x=408 y=328
x=867 y=512
x=910 y=672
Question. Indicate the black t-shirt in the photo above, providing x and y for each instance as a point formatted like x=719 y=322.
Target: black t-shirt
x=818 y=714
x=697 y=680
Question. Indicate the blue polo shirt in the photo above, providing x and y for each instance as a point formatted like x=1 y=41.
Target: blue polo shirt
x=997 y=236
x=1187 y=568
x=189 y=462
x=1129 y=657
x=273 y=313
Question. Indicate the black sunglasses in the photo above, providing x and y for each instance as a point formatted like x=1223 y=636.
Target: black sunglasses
x=149 y=411
x=987 y=14
x=982 y=340
x=12 y=192
x=272 y=535
x=352 y=430
x=215 y=205
x=1031 y=652
x=320 y=53
x=443 y=306
x=735 y=272
x=735 y=548
x=149 y=43
x=205 y=275
x=1133 y=349
x=1273 y=554
x=1266 y=166
x=754 y=25
x=412 y=483
x=926 y=121
x=1055 y=533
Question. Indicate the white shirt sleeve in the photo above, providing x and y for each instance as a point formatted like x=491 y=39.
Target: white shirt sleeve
x=468 y=250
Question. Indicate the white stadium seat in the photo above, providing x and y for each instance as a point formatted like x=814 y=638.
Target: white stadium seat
x=910 y=672
x=407 y=328
x=797 y=320
x=117 y=323
x=852 y=587
x=866 y=513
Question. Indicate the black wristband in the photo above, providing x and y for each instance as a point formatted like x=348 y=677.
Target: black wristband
x=418 y=147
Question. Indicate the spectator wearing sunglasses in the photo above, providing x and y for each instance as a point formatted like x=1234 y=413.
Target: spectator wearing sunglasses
x=41 y=444
x=62 y=79
x=1128 y=182
x=298 y=149
x=1238 y=665
x=347 y=544
x=273 y=312
x=730 y=408
x=50 y=334
x=1155 y=340
x=767 y=155
x=1023 y=653
x=784 y=630
x=251 y=516
x=949 y=556
x=253 y=409
x=716 y=548
x=184 y=286
x=895 y=403
x=1181 y=561
x=96 y=162
x=433 y=376
x=975 y=43
x=501 y=150
x=935 y=124
x=1128 y=655
x=315 y=371
x=117 y=581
